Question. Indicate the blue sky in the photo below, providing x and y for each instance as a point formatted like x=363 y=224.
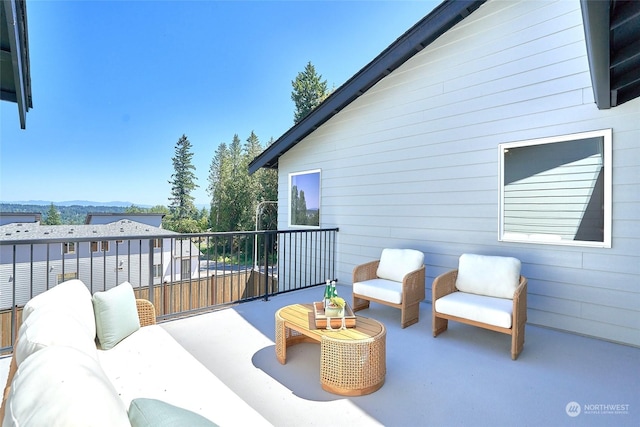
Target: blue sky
x=116 y=83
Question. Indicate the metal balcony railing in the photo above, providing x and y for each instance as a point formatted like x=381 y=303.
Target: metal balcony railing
x=181 y=274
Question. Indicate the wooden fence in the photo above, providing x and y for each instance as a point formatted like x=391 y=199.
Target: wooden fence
x=174 y=298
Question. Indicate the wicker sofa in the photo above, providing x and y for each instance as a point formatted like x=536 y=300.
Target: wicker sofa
x=102 y=361
x=484 y=291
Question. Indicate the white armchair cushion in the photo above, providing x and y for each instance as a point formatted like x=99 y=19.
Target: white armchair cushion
x=71 y=297
x=493 y=276
x=64 y=387
x=489 y=310
x=382 y=289
x=397 y=263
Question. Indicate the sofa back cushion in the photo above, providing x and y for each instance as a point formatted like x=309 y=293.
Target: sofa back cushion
x=116 y=315
x=71 y=297
x=52 y=327
x=493 y=276
x=65 y=387
x=397 y=263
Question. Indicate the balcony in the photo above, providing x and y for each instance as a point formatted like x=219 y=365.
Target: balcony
x=181 y=274
x=463 y=377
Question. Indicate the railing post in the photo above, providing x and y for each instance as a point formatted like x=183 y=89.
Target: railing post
x=267 y=236
x=151 y=271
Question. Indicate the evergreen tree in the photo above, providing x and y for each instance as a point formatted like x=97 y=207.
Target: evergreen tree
x=309 y=90
x=53 y=216
x=218 y=178
x=182 y=208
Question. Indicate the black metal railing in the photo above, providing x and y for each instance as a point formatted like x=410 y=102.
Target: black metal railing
x=181 y=274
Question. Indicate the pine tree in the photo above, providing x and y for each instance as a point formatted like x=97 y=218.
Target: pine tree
x=308 y=92
x=182 y=207
x=53 y=216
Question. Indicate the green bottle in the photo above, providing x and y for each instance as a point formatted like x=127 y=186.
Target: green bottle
x=327 y=294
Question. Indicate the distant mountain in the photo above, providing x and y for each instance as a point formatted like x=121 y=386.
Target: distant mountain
x=71 y=203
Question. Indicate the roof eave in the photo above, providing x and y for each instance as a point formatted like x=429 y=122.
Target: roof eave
x=15 y=13
x=428 y=29
x=595 y=16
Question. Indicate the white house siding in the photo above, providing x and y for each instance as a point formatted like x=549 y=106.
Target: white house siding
x=33 y=275
x=414 y=162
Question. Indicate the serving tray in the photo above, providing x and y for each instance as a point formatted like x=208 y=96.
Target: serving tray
x=336 y=322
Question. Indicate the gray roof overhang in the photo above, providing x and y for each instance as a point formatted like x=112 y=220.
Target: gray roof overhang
x=428 y=29
x=612 y=33
x=15 y=77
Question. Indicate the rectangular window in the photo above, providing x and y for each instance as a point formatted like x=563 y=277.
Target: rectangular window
x=157 y=270
x=157 y=243
x=185 y=269
x=557 y=190
x=304 y=198
x=104 y=246
x=69 y=248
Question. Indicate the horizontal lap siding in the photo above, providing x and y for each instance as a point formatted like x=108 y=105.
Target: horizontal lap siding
x=414 y=162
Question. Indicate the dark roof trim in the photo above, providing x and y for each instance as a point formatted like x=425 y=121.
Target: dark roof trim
x=612 y=34
x=428 y=29
x=595 y=15
x=14 y=57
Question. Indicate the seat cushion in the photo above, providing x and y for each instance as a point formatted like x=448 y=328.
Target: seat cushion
x=397 y=263
x=493 y=276
x=490 y=310
x=382 y=289
x=62 y=386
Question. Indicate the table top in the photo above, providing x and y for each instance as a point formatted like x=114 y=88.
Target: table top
x=301 y=316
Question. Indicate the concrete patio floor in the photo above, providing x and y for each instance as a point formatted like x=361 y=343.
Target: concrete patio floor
x=465 y=377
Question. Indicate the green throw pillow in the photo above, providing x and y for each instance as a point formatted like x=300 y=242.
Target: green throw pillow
x=116 y=315
x=156 y=413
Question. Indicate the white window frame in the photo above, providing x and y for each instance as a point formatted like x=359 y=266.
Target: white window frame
x=552 y=239
x=66 y=246
x=292 y=177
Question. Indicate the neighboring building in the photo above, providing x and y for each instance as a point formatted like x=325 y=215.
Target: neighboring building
x=101 y=255
x=27 y=217
x=484 y=129
x=153 y=219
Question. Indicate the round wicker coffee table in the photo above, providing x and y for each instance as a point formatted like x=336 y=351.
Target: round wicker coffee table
x=352 y=361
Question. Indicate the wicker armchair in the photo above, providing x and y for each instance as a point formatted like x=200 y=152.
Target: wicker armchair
x=446 y=285
x=397 y=279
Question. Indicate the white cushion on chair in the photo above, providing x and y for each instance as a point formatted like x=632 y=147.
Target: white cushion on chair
x=493 y=276
x=382 y=289
x=493 y=311
x=397 y=263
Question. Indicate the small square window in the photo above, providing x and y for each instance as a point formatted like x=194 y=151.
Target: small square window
x=69 y=248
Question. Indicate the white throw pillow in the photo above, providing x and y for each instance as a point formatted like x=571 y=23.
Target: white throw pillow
x=493 y=276
x=49 y=327
x=116 y=315
x=72 y=297
x=60 y=386
x=397 y=263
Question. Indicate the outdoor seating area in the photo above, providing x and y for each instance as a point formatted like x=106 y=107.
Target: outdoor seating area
x=460 y=378
x=396 y=280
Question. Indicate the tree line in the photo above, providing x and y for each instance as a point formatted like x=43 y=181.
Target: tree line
x=234 y=195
